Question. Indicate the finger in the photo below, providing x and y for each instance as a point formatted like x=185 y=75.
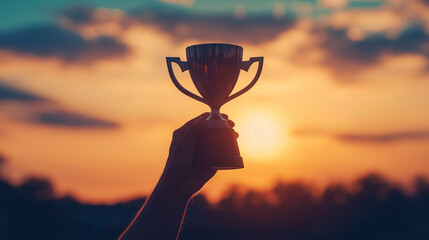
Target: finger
x=194 y=130
x=237 y=135
x=186 y=144
x=225 y=116
x=182 y=130
x=231 y=123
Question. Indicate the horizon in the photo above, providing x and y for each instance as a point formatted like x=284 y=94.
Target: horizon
x=374 y=208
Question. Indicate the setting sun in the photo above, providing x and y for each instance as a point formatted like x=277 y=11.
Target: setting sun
x=261 y=135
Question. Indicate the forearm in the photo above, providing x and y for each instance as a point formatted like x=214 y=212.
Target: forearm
x=161 y=215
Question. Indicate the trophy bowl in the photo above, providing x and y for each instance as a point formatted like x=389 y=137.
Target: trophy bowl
x=214 y=69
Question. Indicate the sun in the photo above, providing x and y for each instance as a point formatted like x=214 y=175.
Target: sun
x=262 y=136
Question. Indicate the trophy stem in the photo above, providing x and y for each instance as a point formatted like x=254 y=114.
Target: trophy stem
x=215 y=120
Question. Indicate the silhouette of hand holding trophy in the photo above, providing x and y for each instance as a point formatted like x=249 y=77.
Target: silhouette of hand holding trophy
x=214 y=70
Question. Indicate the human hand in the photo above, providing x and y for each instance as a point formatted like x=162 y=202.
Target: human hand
x=179 y=172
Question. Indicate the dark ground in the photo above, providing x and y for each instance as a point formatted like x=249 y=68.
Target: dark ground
x=373 y=208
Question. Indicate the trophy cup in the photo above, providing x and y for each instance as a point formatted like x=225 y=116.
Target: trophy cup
x=214 y=69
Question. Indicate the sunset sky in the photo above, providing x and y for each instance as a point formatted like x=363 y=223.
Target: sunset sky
x=86 y=100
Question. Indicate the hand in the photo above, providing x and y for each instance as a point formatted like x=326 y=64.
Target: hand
x=161 y=215
x=179 y=173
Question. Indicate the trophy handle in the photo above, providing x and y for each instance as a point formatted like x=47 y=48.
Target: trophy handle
x=245 y=65
x=183 y=66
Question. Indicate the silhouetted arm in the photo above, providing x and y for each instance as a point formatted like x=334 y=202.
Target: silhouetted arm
x=161 y=216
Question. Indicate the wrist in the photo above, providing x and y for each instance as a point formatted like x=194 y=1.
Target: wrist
x=172 y=189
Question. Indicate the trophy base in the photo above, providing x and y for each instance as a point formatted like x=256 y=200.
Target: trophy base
x=221 y=162
x=218 y=148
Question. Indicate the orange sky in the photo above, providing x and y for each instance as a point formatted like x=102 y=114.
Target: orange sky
x=329 y=112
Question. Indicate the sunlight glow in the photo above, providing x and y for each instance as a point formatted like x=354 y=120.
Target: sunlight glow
x=262 y=135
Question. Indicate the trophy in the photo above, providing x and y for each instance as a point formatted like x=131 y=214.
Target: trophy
x=214 y=69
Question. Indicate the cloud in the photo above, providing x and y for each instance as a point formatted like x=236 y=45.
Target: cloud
x=8 y=93
x=332 y=3
x=384 y=138
x=355 y=39
x=36 y=109
x=78 y=14
x=346 y=57
x=368 y=138
x=52 y=41
x=252 y=29
x=362 y=23
x=179 y=2
x=180 y=25
x=347 y=47
x=390 y=19
x=69 y=119
x=92 y=22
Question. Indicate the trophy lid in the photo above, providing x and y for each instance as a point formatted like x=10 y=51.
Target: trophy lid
x=214 y=44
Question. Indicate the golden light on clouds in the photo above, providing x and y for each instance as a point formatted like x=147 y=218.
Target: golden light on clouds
x=332 y=3
x=239 y=11
x=179 y=2
x=279 y=10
